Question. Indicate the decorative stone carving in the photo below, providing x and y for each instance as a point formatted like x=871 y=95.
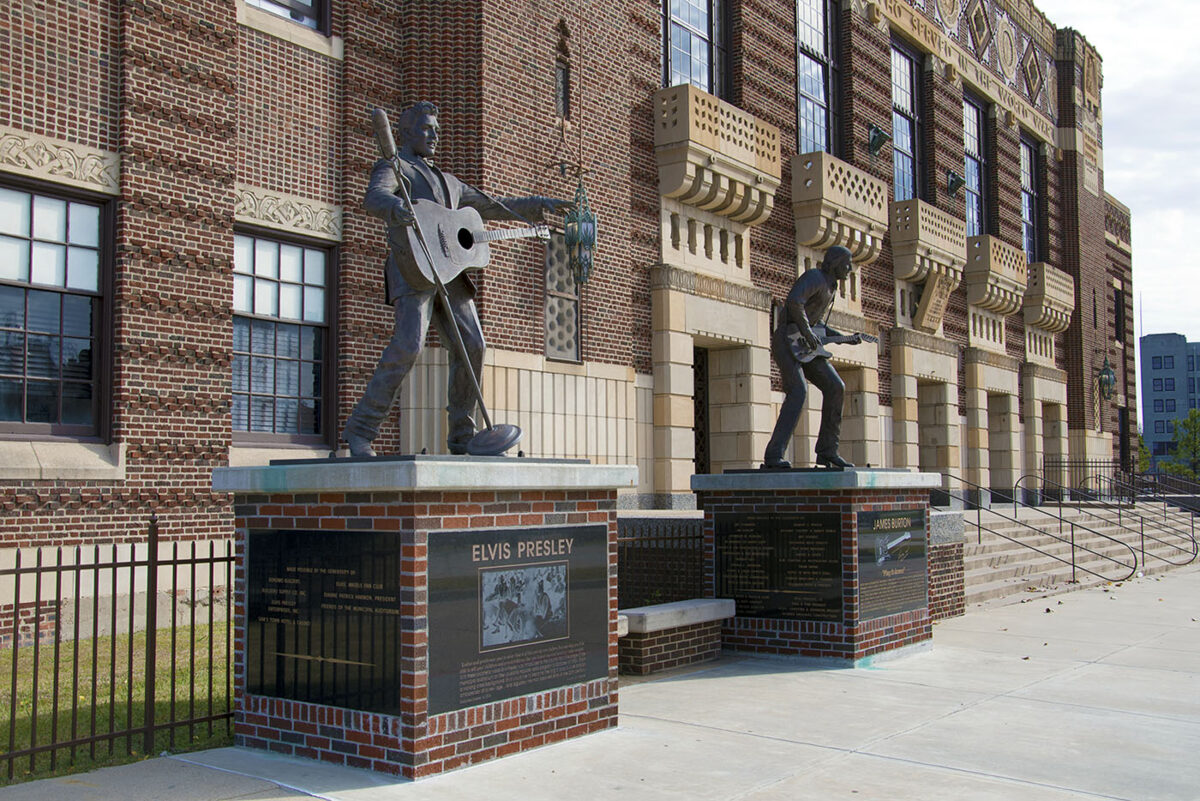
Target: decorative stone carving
x=290 y=213
x=1006 y=46
x=980 y=22
x=1050 y=298
x=664 y=276
x=837 y=204
x=1032 y=72
x=714 y=156
x=59 y=161
x=950 y=12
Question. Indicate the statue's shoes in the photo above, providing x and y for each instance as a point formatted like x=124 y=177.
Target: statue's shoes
x=776 y=464
x=833 y=460
x=360 y=447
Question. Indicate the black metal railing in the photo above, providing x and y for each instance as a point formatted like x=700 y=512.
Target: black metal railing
x=659 y=560
x=1073 y=472
x=1068 y=531
x=1112 y=494
x=95 y=669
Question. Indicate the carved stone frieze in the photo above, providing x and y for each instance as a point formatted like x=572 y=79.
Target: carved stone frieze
x=59 y=161
x=950 y=12
x=664 y=276
x=1007 y=46
x=979 y=20
x=304 y=216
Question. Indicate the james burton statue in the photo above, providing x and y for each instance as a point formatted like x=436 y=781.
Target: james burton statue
x=796 y=346
x=409 y=290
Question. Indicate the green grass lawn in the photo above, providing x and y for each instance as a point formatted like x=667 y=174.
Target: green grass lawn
x=109 y=701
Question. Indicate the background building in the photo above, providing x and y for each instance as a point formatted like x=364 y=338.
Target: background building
x=1170 y=370
x=188 y=280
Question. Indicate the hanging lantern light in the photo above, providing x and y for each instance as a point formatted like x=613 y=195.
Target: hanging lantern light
x=579 y=230
x=1107 y=380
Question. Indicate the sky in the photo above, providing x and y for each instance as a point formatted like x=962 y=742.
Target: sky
x=1151 y=107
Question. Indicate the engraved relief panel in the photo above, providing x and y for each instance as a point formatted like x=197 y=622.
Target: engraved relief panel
x=979 y=20
x=290 y=213
x=59 y=161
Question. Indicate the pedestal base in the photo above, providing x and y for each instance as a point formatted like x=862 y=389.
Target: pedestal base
x=821 y=563
x=415 y=615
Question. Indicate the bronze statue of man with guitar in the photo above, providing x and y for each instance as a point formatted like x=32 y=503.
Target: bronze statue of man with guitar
x=797 y=346
x=435 y=236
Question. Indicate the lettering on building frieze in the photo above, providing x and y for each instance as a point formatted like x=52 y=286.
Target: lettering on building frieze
x=933 y=40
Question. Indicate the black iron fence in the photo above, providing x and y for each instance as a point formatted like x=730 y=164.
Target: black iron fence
x=659 y=560
x=114 y=650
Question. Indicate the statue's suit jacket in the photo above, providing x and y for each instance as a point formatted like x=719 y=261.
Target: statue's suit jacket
x=425 y=182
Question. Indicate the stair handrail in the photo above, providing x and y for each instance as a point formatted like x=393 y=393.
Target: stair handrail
x=1118 y=488
x=1073 y=562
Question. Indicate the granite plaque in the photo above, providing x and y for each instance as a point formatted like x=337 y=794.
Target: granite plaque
x=323 y=618
x=893 y=574
x=515 y=611
x=781 y=565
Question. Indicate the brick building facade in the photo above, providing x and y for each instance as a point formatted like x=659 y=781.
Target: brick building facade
x=188 y=280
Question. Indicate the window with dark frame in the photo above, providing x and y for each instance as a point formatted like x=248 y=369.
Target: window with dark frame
x=1170 y=404
x=906 y=123
x=696 y=45
x=52 y=257
x=309 y=13
x=1169 y=385
x=1158 y=385
x=562 y=88
x=1156 y=362
x=1168 y=362
x=1030 y=190
x=975 y=165
x=1160 y=427
x=281 y=340
x=817 y=75
x=562 y=303
x=1119 y=314
x=1159 y=406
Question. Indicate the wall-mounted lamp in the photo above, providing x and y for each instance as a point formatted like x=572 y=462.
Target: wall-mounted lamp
x=579 y=228
x=876 y=139
x=1107 y=380
x=954 y=182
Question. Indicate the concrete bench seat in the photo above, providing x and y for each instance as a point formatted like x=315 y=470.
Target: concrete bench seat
x=669 y=635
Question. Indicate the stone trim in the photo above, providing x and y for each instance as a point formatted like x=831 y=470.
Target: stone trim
x=908 y=338
x=665 y=276
x=290 y=213
x=980 y=356
x=835 y=203
x=46 y=460
x=1044 y=373
x=59 y=161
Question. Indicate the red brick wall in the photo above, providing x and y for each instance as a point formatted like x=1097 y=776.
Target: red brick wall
x=415 y=743
x=645 y=653
x=946 y=587
x=850 y=638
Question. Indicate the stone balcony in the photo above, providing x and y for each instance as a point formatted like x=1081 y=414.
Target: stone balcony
x=715 y=157
x=930 y=246
x=1050 y=298
x=996 y=275
x=837 y=204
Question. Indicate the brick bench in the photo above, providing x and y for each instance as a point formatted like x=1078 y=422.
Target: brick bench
x=669 y=635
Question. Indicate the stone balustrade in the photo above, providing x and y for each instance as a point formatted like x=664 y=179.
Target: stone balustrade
x=1050 y=298
x=996 y=274
x=926 y=241
x=837 y=204
x=714 y=156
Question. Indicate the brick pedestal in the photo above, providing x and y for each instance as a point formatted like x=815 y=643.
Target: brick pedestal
x=826 y=600
x=519 y=512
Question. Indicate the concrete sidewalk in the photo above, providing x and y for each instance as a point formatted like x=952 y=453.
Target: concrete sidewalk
x=1094 y=694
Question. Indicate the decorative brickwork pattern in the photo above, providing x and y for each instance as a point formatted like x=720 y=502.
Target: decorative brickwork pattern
x=642 y=654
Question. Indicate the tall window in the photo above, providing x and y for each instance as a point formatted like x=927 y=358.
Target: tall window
x=817 y=74
x=280 y=339
x=50 y=311
x=905 y=124
x=1030 y=181
x=975 y=165
x=562 y=303
x=696 y=44
x=1119 y=314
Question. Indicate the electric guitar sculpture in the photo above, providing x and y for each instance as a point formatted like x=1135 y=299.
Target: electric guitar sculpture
x=457 y=241
x=805 y=353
